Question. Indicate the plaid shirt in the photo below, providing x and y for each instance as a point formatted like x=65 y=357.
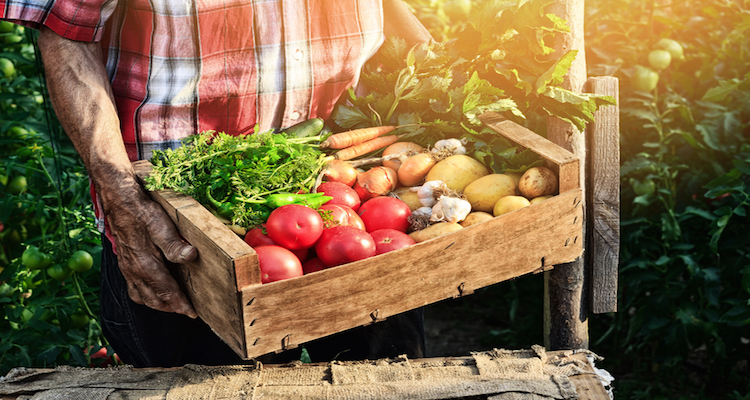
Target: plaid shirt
x=180 y=67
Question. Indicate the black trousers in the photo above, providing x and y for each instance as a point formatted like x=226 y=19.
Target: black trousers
x=144 y=337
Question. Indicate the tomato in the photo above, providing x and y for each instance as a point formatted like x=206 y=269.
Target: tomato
x=34 y=259
x=672 y=46
x=277 y=263
x=7 y=69
x=342 y=195
x=101 y=357
x=385 y=213
x=335 y=215
x=659 y=59
x=645 y=187
x=79 y=319
x=313 y=265
x=294 y=226
x=18 y=185
x=7 y=27
x=80 y=261
x=59 y=272
x=257 y=237
x=645 y=79
x=344 y=244
x=390 y=239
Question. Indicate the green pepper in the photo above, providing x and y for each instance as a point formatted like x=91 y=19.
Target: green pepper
x=313 y=200
x=224 y=208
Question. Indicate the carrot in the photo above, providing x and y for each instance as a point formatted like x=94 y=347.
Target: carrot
x=364 y=148
x=346 y=139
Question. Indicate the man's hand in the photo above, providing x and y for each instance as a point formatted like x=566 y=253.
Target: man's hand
x=82 y=98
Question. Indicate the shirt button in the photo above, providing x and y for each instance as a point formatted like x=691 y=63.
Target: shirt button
x=298 y=54
x=295 y=115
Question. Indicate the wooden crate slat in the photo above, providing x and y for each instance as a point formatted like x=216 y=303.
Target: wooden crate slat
x=298 y=310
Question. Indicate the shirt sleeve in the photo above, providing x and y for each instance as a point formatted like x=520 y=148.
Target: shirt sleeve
x=81 y=20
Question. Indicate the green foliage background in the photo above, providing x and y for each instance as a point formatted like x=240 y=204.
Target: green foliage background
x=683 y=329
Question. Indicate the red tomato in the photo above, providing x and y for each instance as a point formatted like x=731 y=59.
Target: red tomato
x=390 y=239
x=342 y=195
x=256 y=237
x=335 y=215
x=344 y=244
x=385 y=213
x=313 y=265
x=301 y=254
x=294 y=226
x=277 y=263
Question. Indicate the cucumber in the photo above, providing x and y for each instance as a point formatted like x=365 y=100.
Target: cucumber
x=308 y=128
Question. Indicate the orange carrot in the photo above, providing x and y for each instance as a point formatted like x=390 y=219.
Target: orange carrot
x=349 y=138
x=366 y=147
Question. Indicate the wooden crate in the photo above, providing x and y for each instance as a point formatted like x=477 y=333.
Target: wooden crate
x=225 y=287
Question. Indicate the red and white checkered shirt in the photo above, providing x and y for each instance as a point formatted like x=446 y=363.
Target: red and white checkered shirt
x=179 y=67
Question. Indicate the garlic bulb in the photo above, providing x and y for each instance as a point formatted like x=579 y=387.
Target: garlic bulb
x=450 y=209
x=451 y=146
x=422 y=212
x=425 y=192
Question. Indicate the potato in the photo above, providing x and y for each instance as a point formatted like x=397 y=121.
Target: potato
x=510 y=203
x=475 y=217
x=539 y=199
x=484 y=192
x=407 y=196
x=435 y=230
x=537 y=181
x=457 y=171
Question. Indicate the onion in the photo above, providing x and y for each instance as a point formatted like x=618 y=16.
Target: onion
x=377 y=181
x=415 y=168
x=406 y=148
x=339 y=171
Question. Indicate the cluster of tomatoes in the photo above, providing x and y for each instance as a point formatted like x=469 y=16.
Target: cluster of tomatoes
x=297 y=239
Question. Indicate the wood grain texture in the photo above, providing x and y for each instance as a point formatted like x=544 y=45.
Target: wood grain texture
x=290 y=312
x=566 y=307
x=603 y=198
x=210 y=281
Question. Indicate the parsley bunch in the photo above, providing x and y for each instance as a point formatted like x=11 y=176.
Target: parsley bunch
x=242 y=170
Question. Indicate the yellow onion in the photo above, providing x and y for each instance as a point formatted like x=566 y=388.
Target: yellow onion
x=415 y=168
x=406 y=148
x=340 y=171
x=377 y=181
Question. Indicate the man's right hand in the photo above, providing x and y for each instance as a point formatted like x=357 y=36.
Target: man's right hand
x=82 y=98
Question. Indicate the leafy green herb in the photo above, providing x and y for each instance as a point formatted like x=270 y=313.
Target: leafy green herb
x=238 y=172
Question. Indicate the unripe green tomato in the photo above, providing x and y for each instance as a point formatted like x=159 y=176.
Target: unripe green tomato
x=26 y=315
x=645 y=187
x=7 y=69
x=34 y=259
x=11 y=39
x=672 y=46
x=80 y=261
x=659 y=59
x=78 y=319
x=645 y=79
x=18 y=185
x=59 y=272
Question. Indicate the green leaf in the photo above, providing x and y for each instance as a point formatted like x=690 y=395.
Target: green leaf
x=719 y=93
x=556 y=73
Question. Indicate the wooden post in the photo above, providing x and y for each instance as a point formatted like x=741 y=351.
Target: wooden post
x=603 y=198
x=566 y=307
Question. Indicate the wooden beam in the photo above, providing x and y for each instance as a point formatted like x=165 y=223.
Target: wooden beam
x=603 y=198
x=566 y=308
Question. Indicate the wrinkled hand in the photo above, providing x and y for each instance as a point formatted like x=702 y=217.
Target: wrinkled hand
x=145 y=236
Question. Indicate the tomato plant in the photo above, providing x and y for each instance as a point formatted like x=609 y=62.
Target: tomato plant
x=385 y=213
x=344 y=244
x=294 y=226
x=277 y=263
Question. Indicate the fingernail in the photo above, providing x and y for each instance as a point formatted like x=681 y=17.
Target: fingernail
x=185 y=251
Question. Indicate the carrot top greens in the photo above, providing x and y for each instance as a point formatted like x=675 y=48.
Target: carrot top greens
x=238 y=172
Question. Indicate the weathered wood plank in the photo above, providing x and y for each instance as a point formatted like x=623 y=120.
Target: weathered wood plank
x=603 y=198
x=210 y=281
x=566 y=308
